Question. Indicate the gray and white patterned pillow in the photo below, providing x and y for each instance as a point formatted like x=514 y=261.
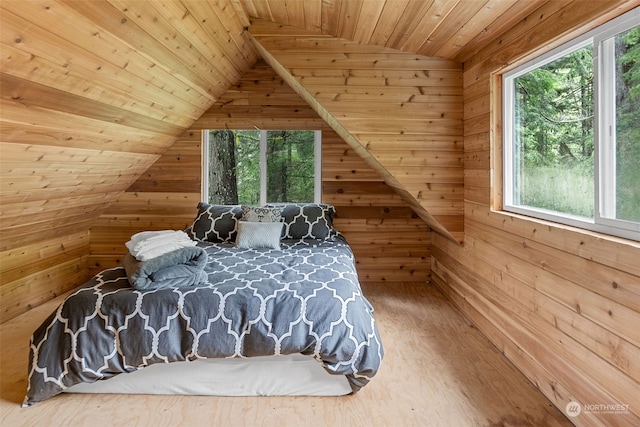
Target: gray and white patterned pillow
x=215 y=223
x=261 y=214
x=307 y=220
x=259 y=235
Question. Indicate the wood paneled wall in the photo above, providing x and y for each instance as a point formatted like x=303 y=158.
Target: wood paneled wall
x=563 y=305
x=37 y=272
x=92 y=93
x=390 y=241
x=401 y=112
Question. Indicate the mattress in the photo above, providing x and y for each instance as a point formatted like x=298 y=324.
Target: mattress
x=287 y=375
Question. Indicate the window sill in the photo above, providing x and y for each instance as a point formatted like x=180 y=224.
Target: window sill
x=565 y=237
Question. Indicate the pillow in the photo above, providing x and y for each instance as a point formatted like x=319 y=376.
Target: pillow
x=261 y=214
x=259 y=235
x=215 y=223
x=307 y=220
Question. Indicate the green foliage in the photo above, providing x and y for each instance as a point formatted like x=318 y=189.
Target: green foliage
x=247 y=168
x=554 y=104
x=290 y=167
x=630 y=61
x=628 y=126
x=559 y=189
x=554 y=132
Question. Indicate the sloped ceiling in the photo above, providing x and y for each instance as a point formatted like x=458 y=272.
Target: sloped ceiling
x=93 y=92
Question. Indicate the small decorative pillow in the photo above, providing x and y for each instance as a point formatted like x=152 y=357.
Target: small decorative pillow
x=307 y=220
x=261 y=214
x=259 y=235
x=215 y=223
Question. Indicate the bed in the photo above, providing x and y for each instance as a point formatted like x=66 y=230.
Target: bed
x=286 y=304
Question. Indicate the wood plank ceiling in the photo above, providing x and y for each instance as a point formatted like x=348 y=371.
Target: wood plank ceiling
x=92 y=93
x=450 y=29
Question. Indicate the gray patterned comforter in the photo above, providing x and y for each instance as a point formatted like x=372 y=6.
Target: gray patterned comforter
x=304 y=298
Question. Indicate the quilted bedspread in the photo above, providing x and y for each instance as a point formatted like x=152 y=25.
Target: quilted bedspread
x=304 y=298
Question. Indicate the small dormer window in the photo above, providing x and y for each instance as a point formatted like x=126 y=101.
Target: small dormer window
x=262 y=166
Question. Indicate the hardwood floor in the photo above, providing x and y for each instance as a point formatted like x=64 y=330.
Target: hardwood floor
x=438 y=371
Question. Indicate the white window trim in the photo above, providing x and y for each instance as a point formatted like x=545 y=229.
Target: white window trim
x=204 y=167
x=604 y=137
x=317 y=165
x=263 y=167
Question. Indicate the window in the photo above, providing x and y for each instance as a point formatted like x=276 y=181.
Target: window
x=257 y=166
x=571 y=123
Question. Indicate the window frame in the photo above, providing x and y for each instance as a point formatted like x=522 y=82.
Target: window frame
x=317 y=163
x=604 y=139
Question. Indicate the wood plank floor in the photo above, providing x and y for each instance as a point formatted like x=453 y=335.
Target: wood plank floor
x=438 y=371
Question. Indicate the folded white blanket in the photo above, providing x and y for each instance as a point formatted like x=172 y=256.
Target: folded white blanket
x=147 y=245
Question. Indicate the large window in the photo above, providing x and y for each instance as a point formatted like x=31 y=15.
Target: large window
x=259 y=166
x=572 y=132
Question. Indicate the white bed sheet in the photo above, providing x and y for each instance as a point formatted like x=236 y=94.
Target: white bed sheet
x=290 y=375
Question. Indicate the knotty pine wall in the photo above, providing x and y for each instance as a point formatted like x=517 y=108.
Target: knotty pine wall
x=401 y=112
x=390 y=242
x=91 y=94
x=563 y=305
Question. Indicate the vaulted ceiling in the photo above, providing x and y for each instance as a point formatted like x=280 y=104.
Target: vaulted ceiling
x=451 y=29
x=93 y=92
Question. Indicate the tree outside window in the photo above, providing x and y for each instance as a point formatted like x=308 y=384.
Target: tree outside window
x=255 y=167
x=572 y=132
